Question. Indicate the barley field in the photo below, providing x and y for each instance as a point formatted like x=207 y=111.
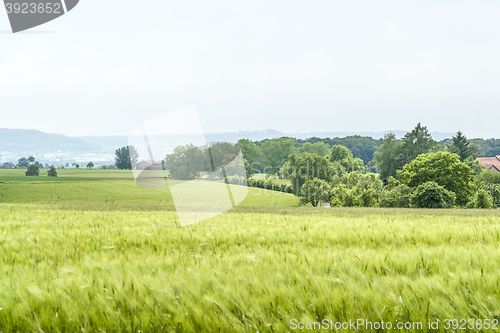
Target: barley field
x=118 y=268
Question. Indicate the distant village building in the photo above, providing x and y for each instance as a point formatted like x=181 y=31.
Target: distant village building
x=490 y=163
x=148 y=165
x=8 y=165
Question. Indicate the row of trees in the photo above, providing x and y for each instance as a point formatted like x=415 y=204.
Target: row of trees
x=274 y=154
x=31 y=162
x=365 y=147
x=338 y=178
x=276 y=157
x=394 y=154
x=414 y=172
x=431 y=180
x=361 y=146
x=34 y=170
x=388 y=154
x=188 y=162
x=33 y=167
x=24 y=162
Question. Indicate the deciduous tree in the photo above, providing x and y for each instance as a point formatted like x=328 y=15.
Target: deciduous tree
x=342 y=155
x=125 y=157
x=431 y=195
x=443 y=168
x=52 y=172
x=319 y=148
x=307 y=166
x=314 y=191
x=251 y=152
x=185 y=163
x=275 y=153
x=23 y=162
x=387 y=156
x=32 y=170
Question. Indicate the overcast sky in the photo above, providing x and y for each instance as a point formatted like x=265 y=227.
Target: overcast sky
x=305 y=66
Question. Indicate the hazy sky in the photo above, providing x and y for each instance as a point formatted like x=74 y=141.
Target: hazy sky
x=305 y=66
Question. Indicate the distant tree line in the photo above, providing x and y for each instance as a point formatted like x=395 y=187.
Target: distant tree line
x=220 y=160
x=33 y=167
x=394 y=154
x=24 y=162
x=414 y=171
x=273 y=153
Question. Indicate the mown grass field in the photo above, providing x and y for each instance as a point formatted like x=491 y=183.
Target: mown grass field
x=118 y=192
x=65 y=175
x=108 y=256
x=276 y=180
x=105 y=187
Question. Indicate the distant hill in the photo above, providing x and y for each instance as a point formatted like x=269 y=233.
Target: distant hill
x=16 y=143
x=269 y=134
x=111 y=143
x=22 y=142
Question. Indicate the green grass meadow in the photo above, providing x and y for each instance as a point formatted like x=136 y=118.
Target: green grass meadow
x=106 y=187
x=70 y=261
x=65 y=175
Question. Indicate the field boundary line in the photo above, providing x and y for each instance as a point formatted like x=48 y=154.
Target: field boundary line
x=166 y=198
x=277 y=202
x=270 y=202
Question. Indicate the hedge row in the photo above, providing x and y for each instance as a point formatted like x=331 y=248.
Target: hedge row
x=235 y=180
x=269 y=184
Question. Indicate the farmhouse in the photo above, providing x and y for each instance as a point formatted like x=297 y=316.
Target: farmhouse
x=8 y=165
x=490 y=163
x=148 y=165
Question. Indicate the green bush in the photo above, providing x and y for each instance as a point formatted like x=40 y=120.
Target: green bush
x=314 y=191
x=269 y=184
x=342 y=196
x=32 y=170
x=397 y=197
x=355 y=189
x=443 y=168
x=482 y=199
x=259 y=183
x=52 y=172
x=368 y=197
x=432 y=195
x=235 y=180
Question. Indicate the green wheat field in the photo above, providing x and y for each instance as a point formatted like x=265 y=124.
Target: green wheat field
x=86 y=253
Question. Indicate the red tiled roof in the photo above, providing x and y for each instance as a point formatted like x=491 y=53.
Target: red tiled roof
x=490 y=162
